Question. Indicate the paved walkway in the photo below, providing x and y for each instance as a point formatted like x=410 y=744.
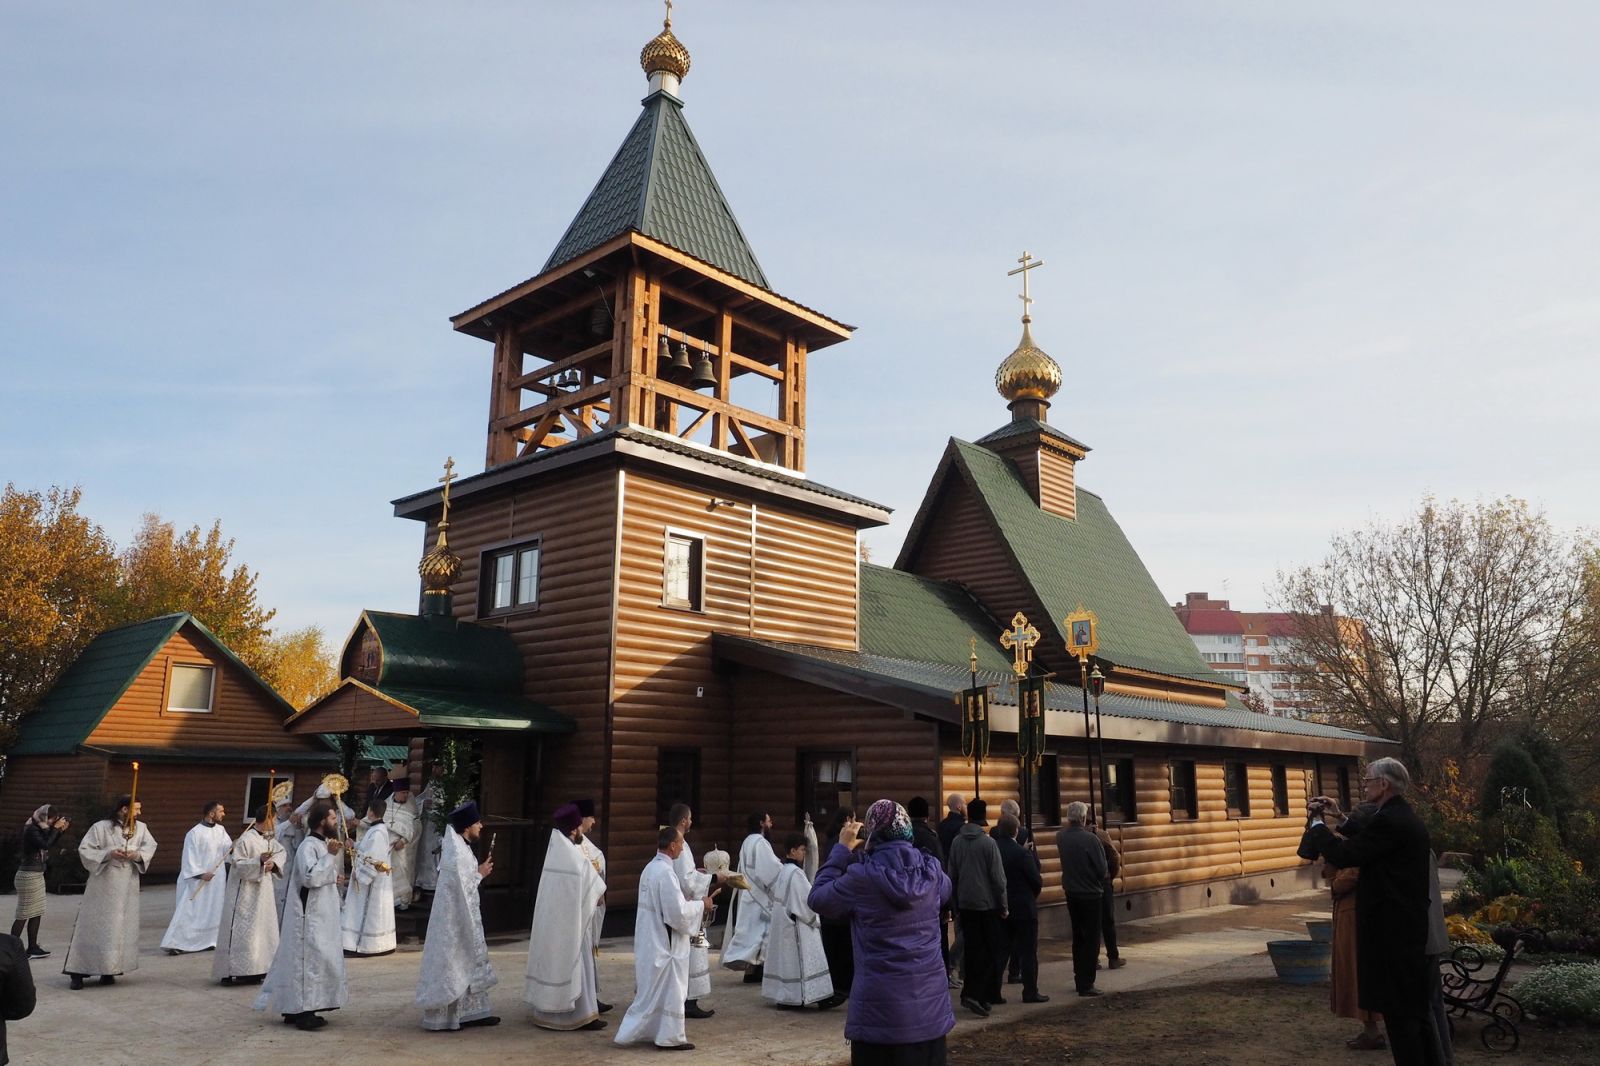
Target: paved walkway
x=169 y=1011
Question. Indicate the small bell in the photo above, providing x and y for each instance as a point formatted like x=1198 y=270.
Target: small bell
x=599 y=320
x=664 y=350
x=680 y=367
x=705 y=375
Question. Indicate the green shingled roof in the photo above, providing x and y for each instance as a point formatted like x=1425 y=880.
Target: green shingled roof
x=419 y=653
x=659 y=184
x=906 y=616
x=99 y=676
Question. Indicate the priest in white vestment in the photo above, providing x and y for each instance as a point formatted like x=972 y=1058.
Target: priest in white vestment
x=664 y=921
x=308 y=973
x=247 y=936
x=105 y=938
x=750 y=911
x=454 y=982
x=430 y=840
x=401 y=816
x=695 y=885
x=323 y=794
x=202 y=882
x=290 y=830
x=597 y=859
x=797 y=967
x=368 y=920
x=560 y=982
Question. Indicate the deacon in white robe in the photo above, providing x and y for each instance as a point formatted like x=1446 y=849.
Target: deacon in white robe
x=105 y=937
x=664 y=922
x=247 y=937
x=368 y=921
x=289 y=831
x=695 y=885
x=401 y=816
x=454 y=982
x=202 y=882
x=597 y=859
x=430 y=840
x=308 y=973
x=560 y=980
x=751 y=910
x=796 y=972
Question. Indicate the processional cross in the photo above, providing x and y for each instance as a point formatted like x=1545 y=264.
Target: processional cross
x=1019 y=640
x=1028 y=263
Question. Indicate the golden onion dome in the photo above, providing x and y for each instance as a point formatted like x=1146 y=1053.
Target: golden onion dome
x=1027 y=373
x=665 y=54
x=440 y=566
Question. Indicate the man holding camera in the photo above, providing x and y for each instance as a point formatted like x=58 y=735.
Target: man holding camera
x=1391 y=907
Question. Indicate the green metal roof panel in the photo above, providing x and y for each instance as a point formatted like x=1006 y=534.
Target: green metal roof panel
x=1031 y=425
x=943 y=679
x=1086 y=561
x=423 y=653
x=905 y=615
x=92 y=684
x=660 y=184
x=449 y=708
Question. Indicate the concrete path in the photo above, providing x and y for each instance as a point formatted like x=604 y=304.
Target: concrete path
x=169 y=1011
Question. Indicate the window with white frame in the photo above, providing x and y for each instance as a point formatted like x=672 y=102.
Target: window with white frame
x=191 y=688
x=683 y=571
x=257 y=791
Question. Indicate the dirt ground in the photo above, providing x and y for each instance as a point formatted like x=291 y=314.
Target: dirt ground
x=1238 y=1022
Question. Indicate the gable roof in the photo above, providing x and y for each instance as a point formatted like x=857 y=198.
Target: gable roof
x=1066 y=563
x=908 y=616
x=94 y=682
x=659 y=184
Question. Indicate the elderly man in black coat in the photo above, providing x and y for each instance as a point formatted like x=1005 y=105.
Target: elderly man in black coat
x=1391 y=907
x=1023 y=883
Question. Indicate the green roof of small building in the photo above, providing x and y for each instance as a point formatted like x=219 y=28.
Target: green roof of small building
x=98 y=677
x=420 y=652
x=907 y=616
x=659 y=184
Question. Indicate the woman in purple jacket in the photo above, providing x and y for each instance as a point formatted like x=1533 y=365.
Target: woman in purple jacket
x=890 y=892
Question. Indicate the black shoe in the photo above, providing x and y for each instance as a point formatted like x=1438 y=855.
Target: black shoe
x=37 y=952
x=309 y=1022
x=226 y=981
x=476 y=1022
x=603 y=1008
x=1035 y=998
x=598 y=1023
x=108 y=979
x=997 y=1000
x=674 y=1047
x=752 y=976
x=1091 y=992
x=1117 y=963
x=694 y=1010
x=833 y=1001
x=1013 y=978
x=975 y=1007
x=77 y=981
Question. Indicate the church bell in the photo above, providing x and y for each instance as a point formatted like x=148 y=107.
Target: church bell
x=680 y=367
x=705 y=376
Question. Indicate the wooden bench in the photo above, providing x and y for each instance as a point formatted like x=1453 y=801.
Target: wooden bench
x=1467 y=992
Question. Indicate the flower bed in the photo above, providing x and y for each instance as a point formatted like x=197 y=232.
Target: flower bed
x=1568 y=993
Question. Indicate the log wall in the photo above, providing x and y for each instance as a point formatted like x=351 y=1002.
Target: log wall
x=76 y=782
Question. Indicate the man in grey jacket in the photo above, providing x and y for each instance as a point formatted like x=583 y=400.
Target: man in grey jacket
x=979 y=888
x=1083 y=878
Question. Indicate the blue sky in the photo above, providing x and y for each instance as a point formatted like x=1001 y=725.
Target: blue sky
x=1304 y=262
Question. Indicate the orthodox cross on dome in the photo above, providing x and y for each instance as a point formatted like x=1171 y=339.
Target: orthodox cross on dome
x=1019 y=641
x=667 y=22
x=449 y=476
x=1028 y=263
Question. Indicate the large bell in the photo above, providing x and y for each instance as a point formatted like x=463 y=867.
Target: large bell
x=705 y=375
x=680 y=367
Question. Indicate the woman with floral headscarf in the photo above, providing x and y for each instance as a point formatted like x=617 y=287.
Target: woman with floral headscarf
x=891 y=893
x=39 y=833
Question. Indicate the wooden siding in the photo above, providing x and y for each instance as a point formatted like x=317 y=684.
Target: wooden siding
x=1158 y=852
x=565 y=639
x=895 y=755
x=242 y=717
x=1057 y=491
x=806 y=580
x=76 y=782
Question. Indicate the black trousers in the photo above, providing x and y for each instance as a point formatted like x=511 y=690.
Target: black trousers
x=841 y=955
x=1412 y=1040
x=983 y=966
x=925 y=1053
x=1108 y=921
x=1022 y=951
x=1085 y=914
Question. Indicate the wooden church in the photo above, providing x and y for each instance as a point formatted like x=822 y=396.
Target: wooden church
x=644 y=599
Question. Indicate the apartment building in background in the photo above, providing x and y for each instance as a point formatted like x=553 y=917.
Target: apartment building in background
x=1254 y=648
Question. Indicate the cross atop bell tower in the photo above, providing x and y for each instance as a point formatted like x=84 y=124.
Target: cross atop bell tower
x=652 y=312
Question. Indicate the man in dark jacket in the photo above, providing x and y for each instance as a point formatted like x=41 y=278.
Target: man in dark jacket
x=1083 y=875
x=951 y=940
x=16 y=987
x=979 y=888
x=1108 y=899
x=1391 y=907
x=1021 y=868
x=924 y=835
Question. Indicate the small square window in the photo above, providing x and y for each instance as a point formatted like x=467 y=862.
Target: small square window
x=191 y=688
x=682 y=572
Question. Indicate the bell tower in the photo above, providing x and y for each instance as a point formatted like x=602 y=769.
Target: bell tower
x=652 y=312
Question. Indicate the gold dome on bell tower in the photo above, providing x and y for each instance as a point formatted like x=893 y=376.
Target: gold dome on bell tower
x=665 y=55
x=1028 y=373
